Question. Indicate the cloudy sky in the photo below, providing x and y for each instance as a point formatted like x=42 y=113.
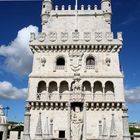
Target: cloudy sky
x=19 y=18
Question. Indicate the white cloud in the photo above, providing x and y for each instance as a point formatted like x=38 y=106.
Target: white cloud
x=18 y=54
x=8 y=91
x=133 y=95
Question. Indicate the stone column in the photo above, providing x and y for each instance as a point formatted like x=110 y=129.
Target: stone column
x=51 y=128
x=104 y=93
x=46 y=129
x=126 y=134
x=113 y=134
x=26 y=134
x=105 y=134
x=100 y=130
x=84 y=121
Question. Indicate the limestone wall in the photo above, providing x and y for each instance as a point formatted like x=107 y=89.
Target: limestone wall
x=15 y=135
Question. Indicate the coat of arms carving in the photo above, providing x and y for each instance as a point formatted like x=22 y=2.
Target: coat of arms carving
x=87 y=36
x=98 y=36
x=64 y=36
x=53 y=36
x=109 y=36
x=75 y=60
x=75 y=36
x=42 y=37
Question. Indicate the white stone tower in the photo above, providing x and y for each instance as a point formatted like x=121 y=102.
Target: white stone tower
x=3 y=125
x=76 y=89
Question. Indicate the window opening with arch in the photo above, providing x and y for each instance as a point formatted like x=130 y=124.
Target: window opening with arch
x=60 y=63
x=90 y=62
x=64 y=86
x=86 y=86
x=41 y=86
x=52 y=87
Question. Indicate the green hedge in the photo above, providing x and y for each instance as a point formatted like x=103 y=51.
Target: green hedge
x=133 y=130
x=18 y=128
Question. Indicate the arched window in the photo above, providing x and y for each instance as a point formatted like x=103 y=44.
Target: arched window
x=98 y=87
x=64 y=86
x=52 y=87
x=60 y=61
x=41 y=87
x=90 y=62
x=86 y=86
x=109 y=87
x=98 y=91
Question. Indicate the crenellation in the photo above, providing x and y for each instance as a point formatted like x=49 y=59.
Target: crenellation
x=63 y=7
x=69 y=7
x=95 y=8
x=89 y=7
x=56 y=8
x=82 y=7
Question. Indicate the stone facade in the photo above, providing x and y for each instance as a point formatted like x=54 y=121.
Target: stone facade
x=76 y=89
x=3 y=124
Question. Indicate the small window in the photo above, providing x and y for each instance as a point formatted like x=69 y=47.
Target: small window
x=43 y=6
x=61 y=134
x=60 y=61
x=90 y=61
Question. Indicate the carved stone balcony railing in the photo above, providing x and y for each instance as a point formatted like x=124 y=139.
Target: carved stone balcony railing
x=60 y=67
x=90 y=66
x=77 y=97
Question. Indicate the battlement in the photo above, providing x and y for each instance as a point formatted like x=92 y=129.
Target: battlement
x=82 y=8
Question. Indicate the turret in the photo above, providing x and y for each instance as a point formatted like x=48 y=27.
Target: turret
x=46 y=9
x=107 y=9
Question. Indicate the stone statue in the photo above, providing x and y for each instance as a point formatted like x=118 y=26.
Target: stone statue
x=76 y=124
x=77 y=86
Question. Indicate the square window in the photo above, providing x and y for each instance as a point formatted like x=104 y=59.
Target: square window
x=61 y=134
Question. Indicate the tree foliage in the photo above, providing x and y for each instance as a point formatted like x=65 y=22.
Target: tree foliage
x=134 y=130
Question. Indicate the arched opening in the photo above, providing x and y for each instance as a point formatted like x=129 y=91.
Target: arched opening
x=86 y=86
x=109 y=91
x=90 y=61
x=109 y=87
x=98 y=87
x=41 y=87
x=52 y=87
x=60 y=61
x=64 y=86
x=98 y=91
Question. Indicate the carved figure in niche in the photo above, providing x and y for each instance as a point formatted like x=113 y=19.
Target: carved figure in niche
x=76 y=124
x=77 y=86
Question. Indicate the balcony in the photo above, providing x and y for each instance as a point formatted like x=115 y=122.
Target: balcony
x=60 y=67
x=90 y=67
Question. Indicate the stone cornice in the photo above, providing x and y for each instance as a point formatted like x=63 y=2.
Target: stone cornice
x=103 y=76
x=61 y=105
x=67 y=47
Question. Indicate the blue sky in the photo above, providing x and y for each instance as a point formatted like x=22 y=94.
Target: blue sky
x=18 y=18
